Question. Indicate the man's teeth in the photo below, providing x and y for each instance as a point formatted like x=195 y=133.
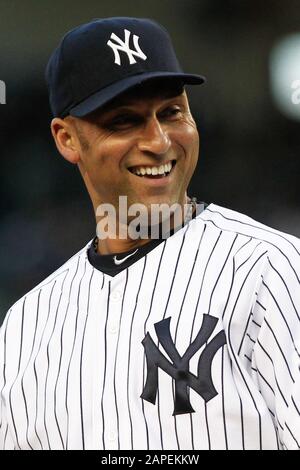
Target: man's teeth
x=154 y=170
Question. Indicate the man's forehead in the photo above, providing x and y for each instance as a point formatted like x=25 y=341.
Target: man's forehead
x=152 y=90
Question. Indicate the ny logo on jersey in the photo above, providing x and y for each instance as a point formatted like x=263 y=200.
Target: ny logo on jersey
x=123 y=46
x=178 y=369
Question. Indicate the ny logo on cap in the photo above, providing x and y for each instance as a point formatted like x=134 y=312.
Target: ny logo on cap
x=120 y=45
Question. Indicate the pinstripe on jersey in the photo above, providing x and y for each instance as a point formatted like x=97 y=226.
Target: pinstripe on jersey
x=73 y=366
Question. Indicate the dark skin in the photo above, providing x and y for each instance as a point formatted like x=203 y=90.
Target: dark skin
x=148 y=126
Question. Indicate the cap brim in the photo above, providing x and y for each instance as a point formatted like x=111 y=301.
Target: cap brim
x=102 y=97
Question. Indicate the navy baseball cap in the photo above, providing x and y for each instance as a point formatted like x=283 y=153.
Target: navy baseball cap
x=97 y=61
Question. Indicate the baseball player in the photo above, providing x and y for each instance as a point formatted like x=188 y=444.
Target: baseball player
x=184 y=340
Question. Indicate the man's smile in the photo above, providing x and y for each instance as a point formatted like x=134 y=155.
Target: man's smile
x=153 y=171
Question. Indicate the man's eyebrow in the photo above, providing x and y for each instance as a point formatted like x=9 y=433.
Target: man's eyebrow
x=110 y=113
x=128 y=102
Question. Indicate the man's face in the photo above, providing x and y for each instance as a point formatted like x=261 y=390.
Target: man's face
x=126 y=145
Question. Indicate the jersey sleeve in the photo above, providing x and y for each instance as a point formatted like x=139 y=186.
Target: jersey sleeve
x=276 y=353
x=6 y=442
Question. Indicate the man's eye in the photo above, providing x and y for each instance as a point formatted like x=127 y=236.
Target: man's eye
x=172 y=113
x=124 y=121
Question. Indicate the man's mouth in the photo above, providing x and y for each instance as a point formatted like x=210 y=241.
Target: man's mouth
x=156 y=172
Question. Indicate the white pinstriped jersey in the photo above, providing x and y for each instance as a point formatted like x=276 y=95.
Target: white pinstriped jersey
x=73 y=365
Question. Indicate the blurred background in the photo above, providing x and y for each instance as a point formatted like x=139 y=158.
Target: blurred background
x=248 y=114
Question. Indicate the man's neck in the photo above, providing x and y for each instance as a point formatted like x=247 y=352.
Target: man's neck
x=117 y=244
x=108 y=246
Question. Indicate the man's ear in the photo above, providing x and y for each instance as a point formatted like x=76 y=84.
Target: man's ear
x=66 y=140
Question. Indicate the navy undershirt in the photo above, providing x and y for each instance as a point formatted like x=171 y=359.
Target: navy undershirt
x=106 y=263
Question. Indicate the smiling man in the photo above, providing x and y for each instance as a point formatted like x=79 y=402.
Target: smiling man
x=143 y=145
x=185 y=337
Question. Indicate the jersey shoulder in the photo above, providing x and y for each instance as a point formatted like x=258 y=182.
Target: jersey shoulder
x=67 y=269
x=241 y=224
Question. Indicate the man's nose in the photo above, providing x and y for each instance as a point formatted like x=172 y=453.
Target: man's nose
x=154 y=138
